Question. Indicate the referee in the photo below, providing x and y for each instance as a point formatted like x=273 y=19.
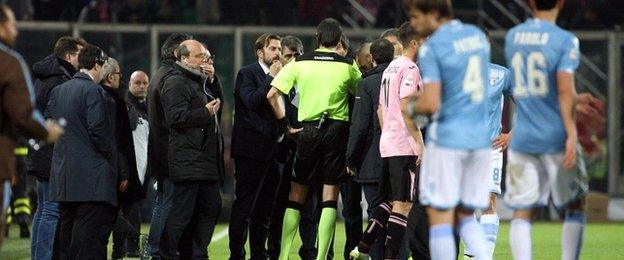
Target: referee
x=324 y=79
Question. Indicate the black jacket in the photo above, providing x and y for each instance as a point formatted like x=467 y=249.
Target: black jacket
x=117 y=109
x=49 y=72
x=136 y=109
x=195 y=142
x=158 y=145
x=84 y=162
x=255 y=130
x=364 y=133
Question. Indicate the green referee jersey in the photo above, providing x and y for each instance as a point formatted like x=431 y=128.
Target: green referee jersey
x=324 y=80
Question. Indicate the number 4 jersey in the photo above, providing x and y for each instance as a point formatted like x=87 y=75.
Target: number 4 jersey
x=457 y=56
x=535 y=51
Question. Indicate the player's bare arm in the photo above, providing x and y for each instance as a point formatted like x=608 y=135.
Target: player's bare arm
x=429 y=101
x=567 y=98
x=412 y=128
x=274 y=99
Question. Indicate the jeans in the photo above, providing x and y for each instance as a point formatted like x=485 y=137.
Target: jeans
x=44 y=223
x=162 y=203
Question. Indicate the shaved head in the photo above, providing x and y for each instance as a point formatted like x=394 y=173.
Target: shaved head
x=139 y=74
x=138 y=84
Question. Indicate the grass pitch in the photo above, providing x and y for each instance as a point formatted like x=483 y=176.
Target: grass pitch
x=602 y=241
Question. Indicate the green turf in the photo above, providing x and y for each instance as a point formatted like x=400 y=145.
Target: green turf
x=602 y=241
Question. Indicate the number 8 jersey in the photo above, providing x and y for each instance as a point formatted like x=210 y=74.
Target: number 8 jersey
x=457 y=56
x=535 y=51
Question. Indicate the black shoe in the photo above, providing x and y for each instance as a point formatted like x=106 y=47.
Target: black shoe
x=24 y=232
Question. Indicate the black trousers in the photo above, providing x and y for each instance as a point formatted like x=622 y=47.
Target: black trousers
x=374 y=199
x=197 y=204
x=85 y=228
x=256 y=188
x=418 y=232
x=127 y=229
x=351 y=193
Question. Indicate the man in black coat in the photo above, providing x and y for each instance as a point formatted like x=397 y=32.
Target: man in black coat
x=362 y=155
x=254 y=142
x=133 y=113
x=50 y=72
x=195 y=150
x=84 y=177
x=132 y=190
x=158 y=144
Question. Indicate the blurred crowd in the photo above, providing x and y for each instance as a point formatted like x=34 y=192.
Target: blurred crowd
x=225 y=12
x=578 y=14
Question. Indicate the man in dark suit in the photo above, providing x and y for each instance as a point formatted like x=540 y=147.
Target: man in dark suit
x=363 y=148
x=83 y=177
x=254 y=142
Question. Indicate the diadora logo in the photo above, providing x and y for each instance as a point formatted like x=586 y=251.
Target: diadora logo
x=323 y=58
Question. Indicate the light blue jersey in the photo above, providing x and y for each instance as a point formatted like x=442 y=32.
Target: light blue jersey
x=535 y=51
x=457 y=56
x=499 y=85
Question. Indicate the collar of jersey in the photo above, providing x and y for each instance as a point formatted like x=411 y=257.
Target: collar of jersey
x=325 y=50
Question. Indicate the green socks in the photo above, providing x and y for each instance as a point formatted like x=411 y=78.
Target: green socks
x=326 y=228
x=289 y=228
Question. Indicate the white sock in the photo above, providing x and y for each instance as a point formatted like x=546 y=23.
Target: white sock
x=472 y=234
x=490 y=222
x=572 y=236
x=520 y=239
x=442 y=242
x=467 y=253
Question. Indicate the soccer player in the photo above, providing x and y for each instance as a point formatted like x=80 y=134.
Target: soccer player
x=454 y=62
x=543 y=58
x=400 y=145
x=499 y=85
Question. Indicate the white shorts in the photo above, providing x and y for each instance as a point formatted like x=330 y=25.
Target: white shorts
x=451 y=176
x=496 y=162
x=532 y=178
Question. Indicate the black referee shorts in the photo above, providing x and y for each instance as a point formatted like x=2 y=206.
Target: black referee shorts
x=320 y=157
x=399 y=178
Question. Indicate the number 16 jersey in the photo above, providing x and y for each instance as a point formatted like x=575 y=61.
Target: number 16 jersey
x=535 y=51
x=457 y=56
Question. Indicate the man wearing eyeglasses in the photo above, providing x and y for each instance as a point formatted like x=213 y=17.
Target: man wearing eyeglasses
x=83 y=177
x=195 y=150
x=254 y=143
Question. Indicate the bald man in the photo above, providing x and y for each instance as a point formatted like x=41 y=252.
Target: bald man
x=126 y=240
x=195 y=154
